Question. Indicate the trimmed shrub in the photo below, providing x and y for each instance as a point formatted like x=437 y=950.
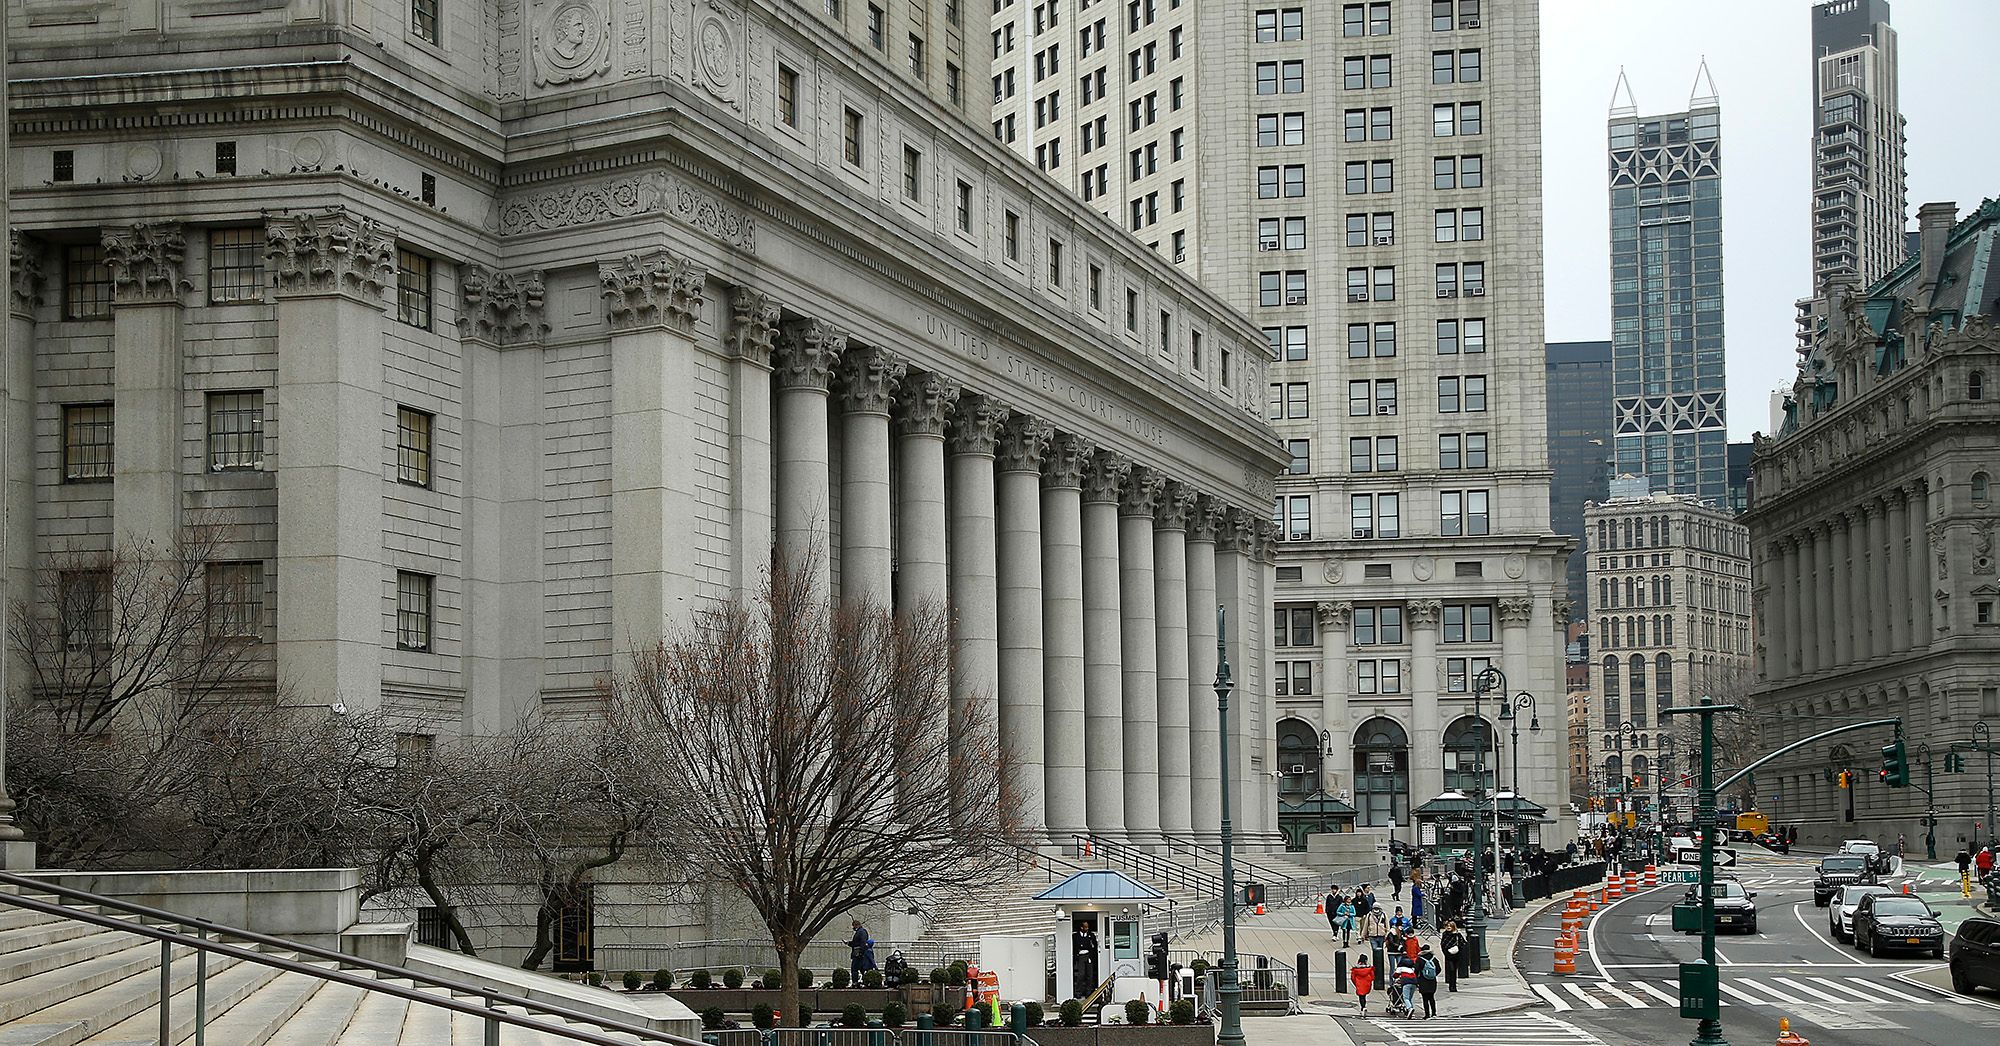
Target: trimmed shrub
x=944 y=1014
x=732 y=978
x=1071 y=1013
x=633 y=980
x=840 y=977
x=1136 y=1011
x=1034 y=1012
x=805 y=1016
x=772 y=980
x=663 y=979
x=871 y=978
x=762 y=1016
x=700 y=979
x=959 y=971
x=938 y=975
x=854 y=1015
x=596 y=980
x=805 y=977
x=711 y=1018
x=1200 y=967
x=895 y=1015
x=1181 y=1012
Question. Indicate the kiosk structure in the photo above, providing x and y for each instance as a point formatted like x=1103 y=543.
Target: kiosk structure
x=1100 y=932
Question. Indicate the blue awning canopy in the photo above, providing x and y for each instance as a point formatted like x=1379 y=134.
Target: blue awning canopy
x=1104 y=885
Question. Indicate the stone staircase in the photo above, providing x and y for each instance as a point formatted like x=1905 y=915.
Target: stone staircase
x=68 y=982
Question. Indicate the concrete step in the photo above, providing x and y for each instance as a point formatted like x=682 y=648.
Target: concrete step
x=28 y=950
x=322 y=1018
x=225 y=989
x=377 y=1022
x=36 y=993
x=259 y=1018
x=101 y=993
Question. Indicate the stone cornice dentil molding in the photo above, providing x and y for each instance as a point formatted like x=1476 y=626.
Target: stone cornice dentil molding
x=1335 y=615
x=753 y=324
x=503 y=308
x=1069 y=456
x=807 y=352
x=1424 y=613
x=976 y=425
x=652 y=290
x=24 y=272
x=1517 y=610
x=923 y=402
x=329 y=252
x=147 y=263
x=1141 y=496
x=1104 y=481
x=1175 y=505
x=1205 y=521
x=869 y=376
x=1024 y=444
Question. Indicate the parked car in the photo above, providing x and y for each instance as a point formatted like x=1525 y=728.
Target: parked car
x=1975 y=956
x=1877 y=860
x=1887 y=922
x=1840 y=912
x=1838 y=870
x=1735 y=907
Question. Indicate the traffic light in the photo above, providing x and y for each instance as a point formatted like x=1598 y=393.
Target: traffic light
x=1954 y=763
x=1156 y=958
x=1843 y=779
x=1895 y=764
x=1636 y=782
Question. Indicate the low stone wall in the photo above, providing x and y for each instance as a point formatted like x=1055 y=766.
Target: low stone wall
x=1125 y=1035
x=308 y=905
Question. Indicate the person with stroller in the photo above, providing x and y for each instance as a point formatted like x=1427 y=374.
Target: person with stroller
x=1406 y=987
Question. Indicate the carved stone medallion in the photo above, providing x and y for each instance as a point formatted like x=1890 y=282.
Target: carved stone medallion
x=572 y=42
x=715 y=51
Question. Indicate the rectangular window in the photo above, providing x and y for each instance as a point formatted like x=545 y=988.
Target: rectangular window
x=1292 y=679
x=86 y=283
x=1131 y=310
x=225 y=157
x=1354 y=20
x=424 y=20
x=62 y=165
x=850 y=137
x=913 y=174
x=1293 y=627
x=1385 y=283
x=1378 y=626
x=1448 y=395
x=1447 y=337
x=1375 y=515
x=235 y=265
x=1012 y=236
x=1097 y=287
x=963 y=211
x=1360 y=399
x=1381 y=124
x=1357 y=341
x=1378 y=70
x=1378 y=677
x=413 y=289
x=235 y=599
x=413 y=610
x=1475 y=393
x=87 y=442
x=1450 y=451
x=1357 y=125
x=1443 y=67
x=1468 y=67
x=1468 y=118
x=1472 y=224
x=1357 y=177
x=1292 y=78
x=1462 y=513
x=916 y=56
x=1295 y=180
x=788 y=95
x=1290 y=400
x=1460 y=671
x=83 y=608
x=875 y=36
x=1441 y=120
x=1381 y=176
x=1267 y=75
x=1296 y=519
x=235 y=431
x=413 y=446
x=1301 y=452
x=1445 y=230
x=1360 y=454
x=1055 y=263
x=1385 y=396
x=1475 y=336
x=1353 y=73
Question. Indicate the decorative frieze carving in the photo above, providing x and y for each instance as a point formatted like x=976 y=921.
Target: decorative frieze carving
x=572 y=42
x=1104 y=481
x=806 y=353
x=869 y=377
x=147 y=263
x=572 y=204
x=504 y=308
x=1024 y=444
x=330 y=252
x=923 y=402
x=651 y=290
x=1175 y=505
x=1517 y=610
x=717 y=65
x=1141 y=494
x=24 y=272
x=1069 y=457
x=753 y=324
x=976 y=425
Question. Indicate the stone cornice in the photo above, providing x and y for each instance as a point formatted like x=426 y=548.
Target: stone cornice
x=147 y=263
x=868 y=379
x=501 y=308
x=330 y=252
x=1024 y=444
x=661 y=289
x=976 y=426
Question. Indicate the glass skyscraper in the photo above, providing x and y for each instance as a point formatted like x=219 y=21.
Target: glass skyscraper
x=1579 y=376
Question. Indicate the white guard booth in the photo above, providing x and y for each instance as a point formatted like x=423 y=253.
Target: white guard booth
x=1100 y=932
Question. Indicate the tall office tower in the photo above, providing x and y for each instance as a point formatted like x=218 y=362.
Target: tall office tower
x=1313 y=165
x=1666 y=294
x=1579 y=398
x=1858 y=153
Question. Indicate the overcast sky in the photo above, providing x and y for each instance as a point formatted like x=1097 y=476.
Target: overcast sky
x=1759 y=52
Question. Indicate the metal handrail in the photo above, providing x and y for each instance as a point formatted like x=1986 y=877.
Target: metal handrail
x=170 y=937
x=1258 y=872
x=1147 y=863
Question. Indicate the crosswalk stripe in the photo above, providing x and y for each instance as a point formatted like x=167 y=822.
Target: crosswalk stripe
x=1635 y=1003
x=1886 y=990
x=1656 y=993
x=1768 y=990
x=1523 y=1029
x=1727 y=990
x=1837 y=987
x=1814 y=992
x=1588 y=999
x=1554 y=1000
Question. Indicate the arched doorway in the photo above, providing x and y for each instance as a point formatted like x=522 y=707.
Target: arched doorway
x=1468 y=743
x=1381 y=773
x=1298 y=758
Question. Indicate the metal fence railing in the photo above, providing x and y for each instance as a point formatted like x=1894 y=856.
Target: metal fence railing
x=906 y=1036
x=753 y=957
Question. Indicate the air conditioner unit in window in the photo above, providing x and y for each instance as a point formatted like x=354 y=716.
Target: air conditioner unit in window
x=1267 y=245
x=1477 y=292
x=1384 y=241
x=1363 y=532
x=1298 y=769
x=1295 y=299
x=1447 y=292
x=1385 y=410
x=1357 y=295
x=1469 y=22
x=1180 y=256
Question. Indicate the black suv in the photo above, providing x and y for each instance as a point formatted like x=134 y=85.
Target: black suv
x=1735 y=907
x=1975 y=956
x=1838 y=870
x=1888 y=922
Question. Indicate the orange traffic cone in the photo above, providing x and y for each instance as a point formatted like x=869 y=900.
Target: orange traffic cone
x=1260 y=909
x=1906 y=887
x=1788 y=1037
x=1320 y=908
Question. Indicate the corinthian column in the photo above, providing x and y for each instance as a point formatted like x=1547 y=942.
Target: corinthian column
x=1879 y=629
x=1838 y=611
x=1335 y=619
x=1235 y=563
x=922 y=404
x=1897 y=562
x=1791 y=635
x=1140 y=655
x=1170 y=607
x=1018 y=604
x=1922 y=604
x=1860 y=613
x=1063 y=678
x=1204 y=740
x=806 y=354
x=1426 y=735
x=753 y=329
x=868 y=380
x=17 y=451
x=1103 y=668
x=975 y=567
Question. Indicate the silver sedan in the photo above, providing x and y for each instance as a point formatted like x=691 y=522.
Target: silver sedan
x=1840 y=914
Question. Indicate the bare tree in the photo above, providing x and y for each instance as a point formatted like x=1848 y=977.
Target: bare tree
x=815 y=744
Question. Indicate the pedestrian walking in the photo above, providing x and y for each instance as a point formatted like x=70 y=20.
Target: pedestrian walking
x=1331 y=905
x=1362 y=976
x=1427 y=981
x=1396 y=880
x=1344 y=921
x=1406 y=984
x=1453 y=942
x=1984 y=861
x=860 y=952
x=1375 y=927
x=1367 y=902
x=1416 y=900
x=1965 y=870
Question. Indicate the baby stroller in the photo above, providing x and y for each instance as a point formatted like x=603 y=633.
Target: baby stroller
x=1399 y=1008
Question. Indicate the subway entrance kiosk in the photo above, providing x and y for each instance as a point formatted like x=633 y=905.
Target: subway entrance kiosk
x=1100 y=933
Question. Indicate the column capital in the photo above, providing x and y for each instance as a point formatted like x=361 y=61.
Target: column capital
x=976 y=425
x=923 y=401
x=1916 y=488
x=658 y=289
x=330 y=252
x=24 y=272
x=806 y=354
x=1837 y=523
x=503 y=308
x=1105 y=479
x=1141 y=494
x=1175 y=505
x=1563 y=607
x=868 y=379
x=1068 y=458
x=1238 y=532
x=753 y=324
x=147 y=263
x=1517 y=610
x=1265 y=550
x=1892 y=498
x=1205 y=520
x=1424 y=613
x=1871 y=510
x=1334 y=615
x=1024 y=443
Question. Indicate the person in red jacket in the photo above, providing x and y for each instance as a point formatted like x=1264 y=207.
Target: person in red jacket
x=1363 y=976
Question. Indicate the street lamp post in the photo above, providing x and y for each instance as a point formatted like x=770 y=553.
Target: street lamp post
x=1982 y=735
x=1228 y=992
x=1525 y=700
x=1489 y=678
x=1627 y=729
x=1701 y=991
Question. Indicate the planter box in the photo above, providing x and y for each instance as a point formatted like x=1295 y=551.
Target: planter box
x=833 y=1000
x=732 y=1000
x=920 y=995
x=1196 y=1034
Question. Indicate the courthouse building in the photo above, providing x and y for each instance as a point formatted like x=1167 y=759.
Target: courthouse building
x=505 y=335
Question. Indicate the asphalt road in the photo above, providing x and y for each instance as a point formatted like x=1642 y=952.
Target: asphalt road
x=1626 y=988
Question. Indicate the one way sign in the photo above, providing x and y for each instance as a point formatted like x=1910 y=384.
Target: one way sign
x=1725 y=856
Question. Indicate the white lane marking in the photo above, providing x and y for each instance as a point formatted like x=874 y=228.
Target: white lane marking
x=1591 y=929
x=1947 y=993
x=1587 y=998
x=1656 y=993
x=1801 y=916
x=1635 y=1003
x=1759 y=986
x=1727 y=990
x=1886 y=990
x=1554 y=1000
x=1835 y=986
x=1814 y=992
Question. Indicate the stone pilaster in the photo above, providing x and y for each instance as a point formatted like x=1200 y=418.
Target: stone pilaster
x=148 y=281
x=1170 y=602
x=17 y=456
x=753 y=331
x=1064 y=716
x=803 y=362
x=1877 y=580
x=1204 y=740
x=1235 y=562
x=1923 y=604
x=1841 y=612
x=1022 y=446
x=1896 y=608
x=1103 y=693
x=869 y=377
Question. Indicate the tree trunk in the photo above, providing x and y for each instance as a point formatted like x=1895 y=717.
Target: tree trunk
x=545 y=923
x=446 y=910
x=788 y=983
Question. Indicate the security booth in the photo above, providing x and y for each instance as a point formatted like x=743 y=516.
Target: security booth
x=1447 y=825
x=1100 y=933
